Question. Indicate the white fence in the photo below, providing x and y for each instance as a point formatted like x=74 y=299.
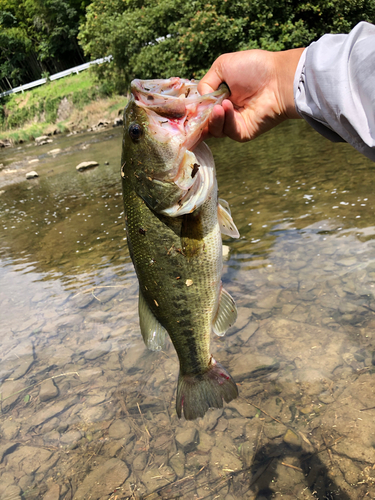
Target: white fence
x=56 y=76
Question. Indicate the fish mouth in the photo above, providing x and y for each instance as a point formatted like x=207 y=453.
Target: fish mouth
x=176 y=108
x=167 y=98
x=177 y=115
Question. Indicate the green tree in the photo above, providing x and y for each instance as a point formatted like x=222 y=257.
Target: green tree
x=38 y=36
x=161 y=38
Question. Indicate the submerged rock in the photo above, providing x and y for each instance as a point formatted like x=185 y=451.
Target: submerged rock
x=140 y=462
x=23 y=367
x=9 y=429
x=70 y=437
x=120 y=429
x=53 y=493
x=157 y=477
x=292 y=439
x=98 y=351
x=243 y=408
x=248 y=365
x=223 y=462
x=177 y=462
x=187 y=439
x=48 y=390
x=103 y=480
x=12 y=492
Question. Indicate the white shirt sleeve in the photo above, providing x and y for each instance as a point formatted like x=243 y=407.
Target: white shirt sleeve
x=334 y=87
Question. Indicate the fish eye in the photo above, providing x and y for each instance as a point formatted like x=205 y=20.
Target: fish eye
x=135 y=131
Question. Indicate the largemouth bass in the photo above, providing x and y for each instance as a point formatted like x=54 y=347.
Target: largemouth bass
x=174 y=222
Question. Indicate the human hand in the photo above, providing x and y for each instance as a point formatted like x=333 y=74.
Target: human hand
x=261 y=85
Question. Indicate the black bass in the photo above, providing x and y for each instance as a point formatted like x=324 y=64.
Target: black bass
x=174 y=222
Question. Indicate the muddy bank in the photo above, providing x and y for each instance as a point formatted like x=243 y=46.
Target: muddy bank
x=96 y=115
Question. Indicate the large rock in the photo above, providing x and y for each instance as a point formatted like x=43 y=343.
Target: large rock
x=32 y=175
x=103 y=480
x=117 y=122
x=86 y=165
x=43 y=139
x=28 y=459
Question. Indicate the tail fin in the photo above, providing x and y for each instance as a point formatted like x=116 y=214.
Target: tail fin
x=197 y=393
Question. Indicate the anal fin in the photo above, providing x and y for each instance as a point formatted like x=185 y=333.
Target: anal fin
x=153 y=332
x=226 y=313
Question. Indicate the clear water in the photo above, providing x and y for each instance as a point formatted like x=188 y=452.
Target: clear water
x=88 y=413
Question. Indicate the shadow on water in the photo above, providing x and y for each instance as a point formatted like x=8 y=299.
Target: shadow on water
x=88 y=413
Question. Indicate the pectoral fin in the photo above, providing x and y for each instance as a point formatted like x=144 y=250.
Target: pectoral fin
x=226 y=314
x=227 y=226
x=153 y=332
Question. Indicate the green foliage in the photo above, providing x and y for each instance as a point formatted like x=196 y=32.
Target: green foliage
x=162 y=38
x=38 y=36
x=42 y=103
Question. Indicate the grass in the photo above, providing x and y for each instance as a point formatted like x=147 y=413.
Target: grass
x=38 y=111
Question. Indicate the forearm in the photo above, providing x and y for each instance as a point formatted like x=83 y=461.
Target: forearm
x=334 y=87
x=286 y=63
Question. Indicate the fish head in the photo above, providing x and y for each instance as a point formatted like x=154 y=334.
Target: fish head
x=163 y=125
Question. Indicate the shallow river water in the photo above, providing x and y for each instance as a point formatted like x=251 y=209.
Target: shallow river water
x=88 y=413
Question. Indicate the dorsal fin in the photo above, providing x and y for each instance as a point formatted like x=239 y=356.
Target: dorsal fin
x=226 y=313
x=227 y=226
x=153 y=332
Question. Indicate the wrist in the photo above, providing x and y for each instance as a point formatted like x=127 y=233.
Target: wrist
x=286 y=63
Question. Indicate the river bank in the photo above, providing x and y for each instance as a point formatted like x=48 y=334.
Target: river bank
x=49 y=155
x=73 y=104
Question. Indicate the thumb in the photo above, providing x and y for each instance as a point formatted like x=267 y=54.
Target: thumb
x=211 y=81
x=205 y=88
